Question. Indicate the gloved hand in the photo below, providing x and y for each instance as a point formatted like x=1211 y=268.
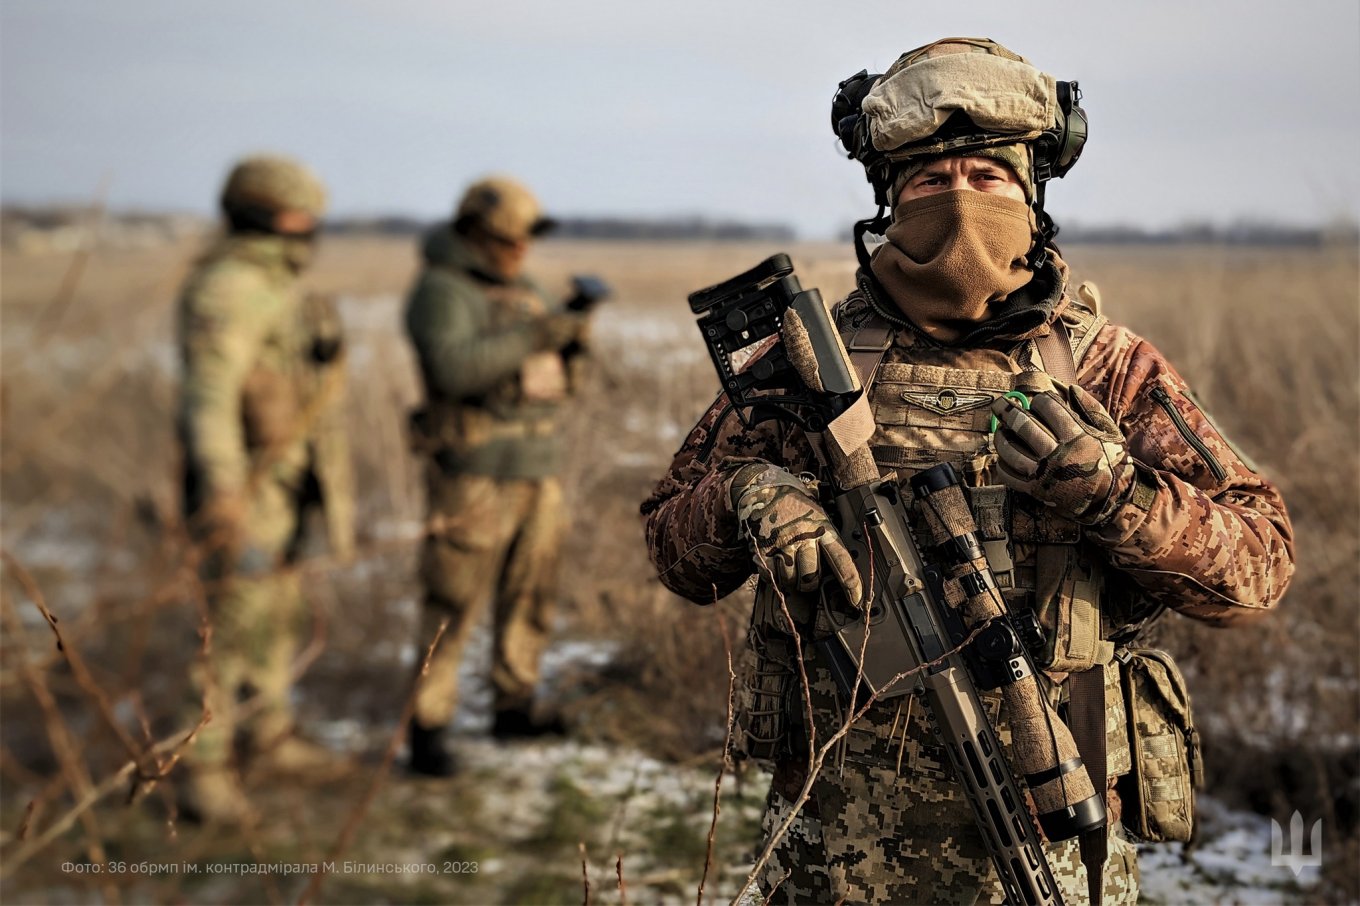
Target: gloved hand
x=559 y=330
x=1066 y=452
x=790 y=533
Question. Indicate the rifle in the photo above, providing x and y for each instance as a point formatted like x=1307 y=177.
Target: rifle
x=587 y=291
x=931 y=610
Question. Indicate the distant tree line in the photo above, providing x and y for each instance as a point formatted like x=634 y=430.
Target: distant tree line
x=1208 y=233
x=613 y=228
x=33 y=220
x=1216 y=234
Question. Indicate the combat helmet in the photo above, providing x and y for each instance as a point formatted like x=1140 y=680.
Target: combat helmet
x=502 y=207
x=959 y=96
x=260 y=186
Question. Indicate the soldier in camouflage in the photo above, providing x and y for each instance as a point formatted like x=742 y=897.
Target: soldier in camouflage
x=1112 y=497
x=498 y=360
x=260 y=424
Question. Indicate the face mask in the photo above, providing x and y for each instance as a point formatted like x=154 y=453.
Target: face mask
x=950 y=256
x=299 y=251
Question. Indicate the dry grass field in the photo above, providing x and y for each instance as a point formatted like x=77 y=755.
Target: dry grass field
x=1269 y=338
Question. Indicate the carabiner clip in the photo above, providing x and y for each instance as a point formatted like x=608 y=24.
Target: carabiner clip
x=1014 y=395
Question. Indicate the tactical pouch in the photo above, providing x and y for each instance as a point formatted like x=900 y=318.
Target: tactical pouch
x=270 y=408
x=1069 y=592
x=767 y=678
x=1159 y=792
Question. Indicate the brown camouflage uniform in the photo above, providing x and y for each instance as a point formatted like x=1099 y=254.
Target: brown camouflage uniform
x=1202 y=533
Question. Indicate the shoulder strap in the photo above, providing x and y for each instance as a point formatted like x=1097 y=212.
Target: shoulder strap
x=1055 y=351
x=867 y=344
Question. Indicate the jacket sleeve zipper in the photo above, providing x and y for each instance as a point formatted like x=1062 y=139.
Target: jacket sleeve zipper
x=1163 y=399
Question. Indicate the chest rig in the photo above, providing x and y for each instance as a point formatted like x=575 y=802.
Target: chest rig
x=489 y=433
x=543 y=378
x=931 y=405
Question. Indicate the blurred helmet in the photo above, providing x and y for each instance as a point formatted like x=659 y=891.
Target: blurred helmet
x=959 y=96
x=502 y=207
x=271 y=183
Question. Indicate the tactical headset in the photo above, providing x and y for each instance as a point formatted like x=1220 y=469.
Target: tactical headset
x=1053 y=153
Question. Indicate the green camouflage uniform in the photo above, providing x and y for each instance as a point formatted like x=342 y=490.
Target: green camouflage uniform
x=494 y=384
x=260 y=421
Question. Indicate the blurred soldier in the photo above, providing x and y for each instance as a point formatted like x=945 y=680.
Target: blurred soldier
x=497 y=361
x=1111 y=498
x=260 y=421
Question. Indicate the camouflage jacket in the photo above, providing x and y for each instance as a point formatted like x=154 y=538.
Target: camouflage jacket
x=263 y=384
x=1208 y=536
x=492 y=395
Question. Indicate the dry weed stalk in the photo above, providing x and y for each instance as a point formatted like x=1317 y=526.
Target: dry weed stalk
x=73 y=768
x=84 y=678
x=725 y=762
x=76 y=775
x=817 y=756
x=585 y=875
x=389 y=756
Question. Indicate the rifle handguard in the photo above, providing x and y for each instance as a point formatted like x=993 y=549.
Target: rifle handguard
x=1042 y=746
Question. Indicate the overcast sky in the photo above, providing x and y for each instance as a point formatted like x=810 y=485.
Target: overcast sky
x=1215 y=111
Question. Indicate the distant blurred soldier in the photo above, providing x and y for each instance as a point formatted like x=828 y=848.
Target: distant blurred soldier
x=260 y=422
x=496 y=358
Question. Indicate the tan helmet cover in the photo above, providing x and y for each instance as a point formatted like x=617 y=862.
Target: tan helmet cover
x=999 y=90
x=504 y=208
x=275 y=183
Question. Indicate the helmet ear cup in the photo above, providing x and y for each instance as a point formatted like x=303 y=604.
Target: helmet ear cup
x=851 y=127
x=846 y=108
x=1057 y=150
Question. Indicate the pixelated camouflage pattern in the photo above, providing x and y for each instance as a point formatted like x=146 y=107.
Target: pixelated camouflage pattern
x=1215 y=545
x=887 y=823
x=1166 y=756
x=1214 y=548
x=493 y=543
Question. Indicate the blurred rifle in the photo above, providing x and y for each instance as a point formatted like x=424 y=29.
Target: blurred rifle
x=931 y=610
x=587 y=291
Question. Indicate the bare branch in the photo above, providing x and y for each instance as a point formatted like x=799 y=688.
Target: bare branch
x=724 y=763
x=389 y=756
x=585 y=875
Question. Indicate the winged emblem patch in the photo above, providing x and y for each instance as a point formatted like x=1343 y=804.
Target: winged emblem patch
x=948 y=400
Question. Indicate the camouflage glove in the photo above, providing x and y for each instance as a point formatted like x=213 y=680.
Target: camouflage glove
x=559 y=330
x=789 y=532
x=1066 y=452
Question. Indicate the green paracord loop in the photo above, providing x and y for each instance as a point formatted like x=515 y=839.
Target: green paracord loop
x=1014 y=395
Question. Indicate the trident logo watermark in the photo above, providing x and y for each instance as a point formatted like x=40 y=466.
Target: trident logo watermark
x=1295 y=859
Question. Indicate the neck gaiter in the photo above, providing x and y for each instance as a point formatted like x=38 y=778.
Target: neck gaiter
x=949 y=257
